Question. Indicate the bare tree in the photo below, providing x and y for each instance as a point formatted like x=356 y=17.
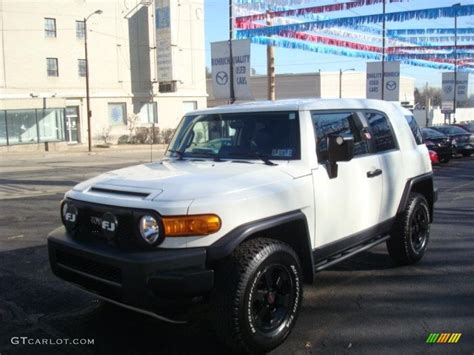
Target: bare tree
x=105 y=135
x=132 y=121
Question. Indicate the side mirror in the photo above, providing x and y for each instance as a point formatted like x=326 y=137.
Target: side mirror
x=339 y=149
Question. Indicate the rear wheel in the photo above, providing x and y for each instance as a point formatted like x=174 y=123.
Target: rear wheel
x=258 y=295
x=411 y=232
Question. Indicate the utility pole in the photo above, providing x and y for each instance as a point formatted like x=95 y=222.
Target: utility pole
x=340 y=79
x=455 y=59
x=383 y=51
x=231 y=59
x=88 y=99
x=270 y=66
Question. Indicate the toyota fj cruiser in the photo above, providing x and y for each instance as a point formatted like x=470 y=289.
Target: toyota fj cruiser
x=248 y=203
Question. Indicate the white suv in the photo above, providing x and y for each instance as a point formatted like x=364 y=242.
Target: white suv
x=248 y=203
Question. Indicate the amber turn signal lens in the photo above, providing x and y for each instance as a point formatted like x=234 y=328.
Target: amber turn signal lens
x=182 y=226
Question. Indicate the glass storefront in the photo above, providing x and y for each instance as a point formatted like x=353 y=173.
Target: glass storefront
x=3 y=129
x=31 y=126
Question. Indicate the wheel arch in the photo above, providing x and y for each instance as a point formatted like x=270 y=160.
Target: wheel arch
x=422 y=184
x=291 y=228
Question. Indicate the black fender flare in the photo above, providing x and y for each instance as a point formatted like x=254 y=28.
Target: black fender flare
x=227 y=244
x=409 y=187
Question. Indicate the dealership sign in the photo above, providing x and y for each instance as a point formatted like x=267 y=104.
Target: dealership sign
x=462 y=80
x=391 y=85
x=221 y=63
x=164 y=49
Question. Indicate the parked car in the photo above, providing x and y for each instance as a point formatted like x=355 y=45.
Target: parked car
x=433 y=157
x=438 y=142
x=469 y=126
x=462 y=140
x=238 y=233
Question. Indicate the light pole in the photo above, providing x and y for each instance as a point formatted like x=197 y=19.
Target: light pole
x=455 y=6
x=340 y=79
x=89 y=114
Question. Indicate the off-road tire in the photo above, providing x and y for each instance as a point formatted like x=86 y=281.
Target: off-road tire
x=238 y=295
x=402 y=247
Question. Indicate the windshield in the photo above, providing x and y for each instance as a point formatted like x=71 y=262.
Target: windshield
x=468 y=127
x=451 y=130
x=431 y=133
x=274 y=135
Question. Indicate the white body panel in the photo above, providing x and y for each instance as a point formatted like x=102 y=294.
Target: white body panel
x=240 y=193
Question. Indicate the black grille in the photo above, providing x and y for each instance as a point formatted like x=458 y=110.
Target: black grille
x=89 y=225
x=90 y=267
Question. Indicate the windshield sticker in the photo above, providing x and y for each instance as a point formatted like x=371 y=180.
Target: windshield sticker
x=292 y=116
x=287 y=153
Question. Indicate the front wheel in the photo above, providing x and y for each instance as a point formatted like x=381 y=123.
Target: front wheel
x=466 y=154
x=258 y=296
x=411 y=232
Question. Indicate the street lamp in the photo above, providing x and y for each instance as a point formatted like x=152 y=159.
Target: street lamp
x=455 y=6
x=89 y=114
x=340 y=79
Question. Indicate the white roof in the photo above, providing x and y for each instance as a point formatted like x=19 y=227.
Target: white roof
x=299 y=105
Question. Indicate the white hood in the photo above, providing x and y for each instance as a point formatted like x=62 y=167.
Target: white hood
x=188 y=180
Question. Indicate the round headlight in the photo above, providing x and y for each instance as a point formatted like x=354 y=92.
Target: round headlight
x=149 y=229
x=69 y=214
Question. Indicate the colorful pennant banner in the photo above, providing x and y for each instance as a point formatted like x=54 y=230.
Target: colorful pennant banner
x=466 y=10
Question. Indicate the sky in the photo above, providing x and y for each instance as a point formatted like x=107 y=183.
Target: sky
x=298 y=61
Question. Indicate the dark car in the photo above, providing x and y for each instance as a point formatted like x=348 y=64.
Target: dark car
x=462 y=140
x=467 y=126
x=438 y=142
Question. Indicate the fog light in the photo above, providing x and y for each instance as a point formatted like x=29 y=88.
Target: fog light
x=149 y=229
x=69 y=215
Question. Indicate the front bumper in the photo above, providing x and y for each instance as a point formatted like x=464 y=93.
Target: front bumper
x=151 y=280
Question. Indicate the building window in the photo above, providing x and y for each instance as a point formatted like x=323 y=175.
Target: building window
x=50 y=27
x=81 y=66
x=52 y=65
x=80 y=29
x=50 y=124
x=117 y=113
x=3 y=129
x=148 y=112
x=31 y=126
x=189 y=106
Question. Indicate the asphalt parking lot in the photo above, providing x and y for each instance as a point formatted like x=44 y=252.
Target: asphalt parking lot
x=365 y=305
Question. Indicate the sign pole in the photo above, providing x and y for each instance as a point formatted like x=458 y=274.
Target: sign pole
x=383 y=51
x=231 y=59
x=455 y=60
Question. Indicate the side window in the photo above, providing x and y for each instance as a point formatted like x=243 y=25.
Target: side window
x=337 y=123
x=415 y=129
x=383 y=137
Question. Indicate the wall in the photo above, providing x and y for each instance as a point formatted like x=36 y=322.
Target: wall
x=122 y=58
x=324 y=85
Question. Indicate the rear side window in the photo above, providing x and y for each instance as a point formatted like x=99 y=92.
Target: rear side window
x=383 y=137
x=415 y=129
x=337 y=123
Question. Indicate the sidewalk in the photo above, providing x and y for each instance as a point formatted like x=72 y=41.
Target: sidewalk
x=80 y=149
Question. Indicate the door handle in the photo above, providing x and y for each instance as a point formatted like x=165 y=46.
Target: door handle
x=374 y=173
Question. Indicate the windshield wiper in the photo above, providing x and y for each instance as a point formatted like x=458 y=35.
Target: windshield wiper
x=179 y=153
x=216 y=157
x=264 y=158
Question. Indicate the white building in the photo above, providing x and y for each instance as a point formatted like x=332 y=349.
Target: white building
x=351 y=84
x=146 y=58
